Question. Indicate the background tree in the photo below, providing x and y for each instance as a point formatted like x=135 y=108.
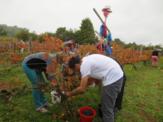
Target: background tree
x=64 y=34
x=33 y=36
x=61 y=33
x=3 y=32
x=119 y=42
x=77 y=36
x=69 y=35
x=86 y=33
x=23 y=35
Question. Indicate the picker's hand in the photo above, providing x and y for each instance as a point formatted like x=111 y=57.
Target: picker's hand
x=68 y=94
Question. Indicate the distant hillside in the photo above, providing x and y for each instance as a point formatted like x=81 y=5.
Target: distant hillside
x=10 y=31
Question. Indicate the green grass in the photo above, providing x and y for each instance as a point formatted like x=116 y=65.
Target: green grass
x=143 y=98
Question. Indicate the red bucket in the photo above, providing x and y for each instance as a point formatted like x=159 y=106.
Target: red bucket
x=87 y=114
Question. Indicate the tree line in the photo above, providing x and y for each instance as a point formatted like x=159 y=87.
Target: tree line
x=84 y=35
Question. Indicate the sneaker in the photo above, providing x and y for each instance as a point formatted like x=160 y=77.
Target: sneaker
x=42 y=110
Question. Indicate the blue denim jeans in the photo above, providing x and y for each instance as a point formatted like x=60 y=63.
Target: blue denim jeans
x=36 y=78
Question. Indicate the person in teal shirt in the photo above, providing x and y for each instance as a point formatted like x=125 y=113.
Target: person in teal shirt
x=38 y=69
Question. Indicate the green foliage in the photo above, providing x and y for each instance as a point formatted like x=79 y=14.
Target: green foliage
x=70 y=35
x=3 y=31
x=87 y=34
x=33 y=36
x=23 y=35
x=135 y=46
x=119 y=42
x=17 y=32
x=77 y=36
x=61 y=32
x=64 y=34
x=9 y=31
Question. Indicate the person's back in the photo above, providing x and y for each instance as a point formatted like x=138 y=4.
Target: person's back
x=101 y=67
x=107 y=70
x=39 y=69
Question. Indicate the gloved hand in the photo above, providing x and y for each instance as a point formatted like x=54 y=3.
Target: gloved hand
x=55 y=97
x=58 y=96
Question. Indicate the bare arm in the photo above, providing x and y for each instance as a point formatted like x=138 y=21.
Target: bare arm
x=81 y=89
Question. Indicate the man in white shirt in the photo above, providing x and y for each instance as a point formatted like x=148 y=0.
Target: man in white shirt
x=104 y=69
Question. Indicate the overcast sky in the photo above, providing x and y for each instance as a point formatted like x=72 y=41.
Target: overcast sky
x=139 y=21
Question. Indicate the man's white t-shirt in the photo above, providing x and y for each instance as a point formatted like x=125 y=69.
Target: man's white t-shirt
x=102 y=68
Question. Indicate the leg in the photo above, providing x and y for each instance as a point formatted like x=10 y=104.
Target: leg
x=38 y=96
x=109 y=95
x=118 y=103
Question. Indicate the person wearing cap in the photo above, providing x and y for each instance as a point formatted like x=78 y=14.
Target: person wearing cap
x=39 y=69
x=70 y=46
x=104 y=69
